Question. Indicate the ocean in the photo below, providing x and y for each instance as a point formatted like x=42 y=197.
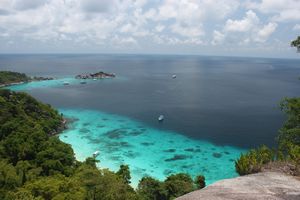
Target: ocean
x=215 y=109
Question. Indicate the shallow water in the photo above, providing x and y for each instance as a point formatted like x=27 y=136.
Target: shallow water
x=147 y=151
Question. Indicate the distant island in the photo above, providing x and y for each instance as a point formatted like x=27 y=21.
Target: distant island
x=97 y=75
x=8 y=78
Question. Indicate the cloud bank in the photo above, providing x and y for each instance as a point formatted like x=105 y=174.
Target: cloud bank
x=150 y=26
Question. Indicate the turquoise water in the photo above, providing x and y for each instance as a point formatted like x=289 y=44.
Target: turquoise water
x=59 y=82
x=147 y=151
x=46 y=84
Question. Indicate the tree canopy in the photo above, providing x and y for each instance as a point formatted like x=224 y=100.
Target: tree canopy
x=296 y=43
x=8 y=77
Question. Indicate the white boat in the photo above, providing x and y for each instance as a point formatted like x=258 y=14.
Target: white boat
x=66 y=83
x=94 y=79
x=174 y=76
x=96 y=153
x=161 y=118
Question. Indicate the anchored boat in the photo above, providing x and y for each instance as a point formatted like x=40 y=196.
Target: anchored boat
x=161 y=118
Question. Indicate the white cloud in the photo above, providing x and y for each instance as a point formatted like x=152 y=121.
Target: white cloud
x=264 y=33
x=159 y=28
x=282 y=10
x=244 y=25
x=28 y=4
x=218 y=37
x=244 y=31
x=296 y=27
x=187 y=31
x=96 y=6
x=109 y=23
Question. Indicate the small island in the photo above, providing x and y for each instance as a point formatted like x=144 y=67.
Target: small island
x=8 y=78
x=97 y=75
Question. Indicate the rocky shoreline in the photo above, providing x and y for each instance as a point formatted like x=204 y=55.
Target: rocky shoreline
x=97 y=75
x=35 y=78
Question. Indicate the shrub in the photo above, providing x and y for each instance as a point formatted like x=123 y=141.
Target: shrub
x=252 y=161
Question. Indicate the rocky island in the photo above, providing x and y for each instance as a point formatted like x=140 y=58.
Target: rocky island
x=97 y=75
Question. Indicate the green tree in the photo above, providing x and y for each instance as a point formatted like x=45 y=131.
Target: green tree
x=296 y=43
x=199 y=181
x=253 y=160
x=151 y=189
x=124 y=173
x=178 y=184
x=9 y=179
x=53 y=188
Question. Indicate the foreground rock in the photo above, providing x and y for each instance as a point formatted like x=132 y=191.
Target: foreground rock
x=261 y=186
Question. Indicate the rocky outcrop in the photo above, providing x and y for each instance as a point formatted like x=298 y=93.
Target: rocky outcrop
x=98 y=75
x=260 y=186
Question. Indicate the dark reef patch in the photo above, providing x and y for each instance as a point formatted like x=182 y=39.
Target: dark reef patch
x=116 y=158
x=217 y=155
x=95 y=141
x=187 y=166
x=131 y=154
x=115 y=134
x=204 y=170
x=197 y=150
x=231 y=160
x=86 y=124
x=178 y=157
x=125 y=144
x=147 y=143
x=100 y=126
x=135 y=133
x=226 y=152
x=84 y=130
x=169 y=150
x=189 y=149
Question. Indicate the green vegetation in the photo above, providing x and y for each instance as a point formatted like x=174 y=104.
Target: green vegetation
x=36 y=165
x=296 y=43
x=288 y=148
x=174 y=186
x=7 y=77
x=253 y=161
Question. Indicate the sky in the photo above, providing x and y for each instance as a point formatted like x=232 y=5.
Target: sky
x=262 y=28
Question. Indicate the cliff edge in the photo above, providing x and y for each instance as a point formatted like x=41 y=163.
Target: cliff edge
x=260 y=186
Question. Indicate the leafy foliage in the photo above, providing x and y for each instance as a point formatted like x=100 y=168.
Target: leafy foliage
x=288 y=143
x=174 y=186
x=200 y=181
x=296 y=43
x=252 y=161
x=124 y=173
x=7 y=77
x=151 y=189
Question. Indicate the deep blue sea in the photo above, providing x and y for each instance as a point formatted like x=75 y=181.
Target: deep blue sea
x=216 y=108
